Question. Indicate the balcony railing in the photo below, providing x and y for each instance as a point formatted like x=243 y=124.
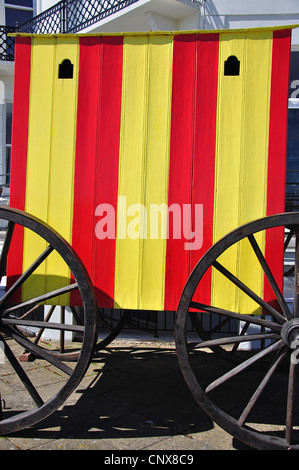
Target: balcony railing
x=6 y=43
x=70 y=16
x=67 y=16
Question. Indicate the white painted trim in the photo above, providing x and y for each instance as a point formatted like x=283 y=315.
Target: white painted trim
x=293 y=103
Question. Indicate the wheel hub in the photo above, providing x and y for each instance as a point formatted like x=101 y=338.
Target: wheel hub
x=290 y=333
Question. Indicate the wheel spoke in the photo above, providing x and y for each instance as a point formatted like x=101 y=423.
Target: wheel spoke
x=18 y=319
x=244 y=365
x=258 y=344
x=5 y=248
x=41 y=330
x=270 y=277
x=21 y=374
x=288 y=239
x=26 y=274
x=76 y=316
x=37 y=351
x=220 y=325
x=235 y=339
x=105 y=323
x=29 y=312
x=290 y=272
x=239 y=316
x=244 y=329
x=260 y=388
x=290 y=402
x=249 y=292
x=42 y=324
x=62 y=320
x=42 y=298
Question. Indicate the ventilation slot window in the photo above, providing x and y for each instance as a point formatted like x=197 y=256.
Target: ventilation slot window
x=66 y=69
x=232 y=66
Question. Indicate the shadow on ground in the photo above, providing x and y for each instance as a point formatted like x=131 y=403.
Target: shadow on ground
x=130 y=393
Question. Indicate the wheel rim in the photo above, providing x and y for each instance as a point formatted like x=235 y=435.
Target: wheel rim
x=270 y=367
x=25 y=402
x=108 y=326
x=113 y=325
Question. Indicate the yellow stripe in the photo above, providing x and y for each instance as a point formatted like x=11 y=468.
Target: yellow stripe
x=131 y=165
x=61 y=186
x=241 y=159
x=143 y=170
x=255 y=159
x=39 y=154
x=51 y=155
x=163 y=33
x=156 y=172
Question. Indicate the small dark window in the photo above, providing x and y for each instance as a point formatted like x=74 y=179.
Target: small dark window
x=232 y=66
x=66 y=69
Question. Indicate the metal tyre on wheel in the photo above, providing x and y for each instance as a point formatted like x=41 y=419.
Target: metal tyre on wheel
x=244 y=376
x=24 y=398
x=113 y=326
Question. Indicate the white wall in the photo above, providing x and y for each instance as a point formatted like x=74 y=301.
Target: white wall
x=6 y=96
x=252 y=7
x=189 y=22
x=217 y=14
x=234 y=14
x=42 y=5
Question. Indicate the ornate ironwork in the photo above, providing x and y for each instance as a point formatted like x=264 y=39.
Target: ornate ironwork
x=50 y=21
x=66 y=16
x=6 y=43
x=70 y=16
x=80 y=14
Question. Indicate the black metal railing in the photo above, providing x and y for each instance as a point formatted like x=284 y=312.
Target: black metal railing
x=7 y=43
x=70 y=16
x=67 y=16
x=51 y=21
x=80 y=15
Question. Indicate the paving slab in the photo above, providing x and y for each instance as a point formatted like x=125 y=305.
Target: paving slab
x=132 y=398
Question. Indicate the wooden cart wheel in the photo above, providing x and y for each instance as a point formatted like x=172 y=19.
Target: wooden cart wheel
x=254 y=396
x=208 y=326
x=24 y=402
x=112 y=325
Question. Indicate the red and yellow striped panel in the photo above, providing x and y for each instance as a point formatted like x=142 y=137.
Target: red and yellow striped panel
x=147 y=156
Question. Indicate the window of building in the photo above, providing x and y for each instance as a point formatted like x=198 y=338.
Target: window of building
x=22 y=3
x=18 y=11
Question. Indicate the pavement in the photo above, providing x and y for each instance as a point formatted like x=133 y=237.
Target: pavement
x=132 y=398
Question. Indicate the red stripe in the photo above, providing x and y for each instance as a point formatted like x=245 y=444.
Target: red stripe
x=97 y=151
x=204 y=150
x=180 y=168
x=277 y=151
x=192 y=155
x=19 y=150
x=86 y=138
x=106 y=189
